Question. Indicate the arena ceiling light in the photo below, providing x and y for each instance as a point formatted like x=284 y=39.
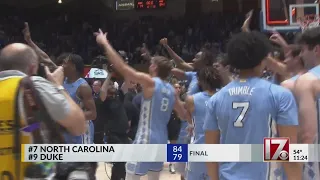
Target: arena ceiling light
x=60 y=1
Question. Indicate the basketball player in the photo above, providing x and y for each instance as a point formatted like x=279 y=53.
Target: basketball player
x=292 y=67
x=81 y=93
x=210 y=80
x=308 y=97
x=202 y=59
x=249 y=109
x=174 y=124
x=159 y=99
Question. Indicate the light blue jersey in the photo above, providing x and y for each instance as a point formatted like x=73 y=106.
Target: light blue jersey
x=245 y=112
x=192 y=80
x=184 y=138
x=198 y=170
x=152 y=129
x=311 y=169
x=72 y=89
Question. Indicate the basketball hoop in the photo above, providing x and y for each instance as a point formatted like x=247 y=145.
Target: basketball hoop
x=309 y=21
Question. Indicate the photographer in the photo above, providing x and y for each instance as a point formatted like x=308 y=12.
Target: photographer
x=18 y=61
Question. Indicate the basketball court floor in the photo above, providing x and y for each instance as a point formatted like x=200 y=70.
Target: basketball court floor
x=165 y=174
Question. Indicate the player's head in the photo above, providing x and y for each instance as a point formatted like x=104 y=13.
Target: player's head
x=294 y=60
x=96 y=86
x=205 y=58
x=73 y=65
x=209 y=78
x=176 y=86
x=248 y=50
x=310 y=46
x=160 y=66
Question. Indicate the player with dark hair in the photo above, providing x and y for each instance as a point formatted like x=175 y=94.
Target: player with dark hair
x=206 y=57
x=209 y=80
x=248 y=109
x=81 y=93
x=159 y=99
x=307 y=95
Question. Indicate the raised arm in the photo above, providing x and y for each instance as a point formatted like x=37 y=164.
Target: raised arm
x=177 y=59
x=178 y=73
x=44 y=58
x=278 y=39
x=85 y=94
x=104 y=88
x=246 y=24
x=277 y=66
x=118 y=63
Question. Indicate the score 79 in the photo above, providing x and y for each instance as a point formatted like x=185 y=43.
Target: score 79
x=177 y=150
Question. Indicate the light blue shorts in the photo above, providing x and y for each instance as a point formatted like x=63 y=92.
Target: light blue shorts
x=197 y=171
x=142 y=168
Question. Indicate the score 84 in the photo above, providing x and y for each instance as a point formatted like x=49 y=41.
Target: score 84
x=177 y=153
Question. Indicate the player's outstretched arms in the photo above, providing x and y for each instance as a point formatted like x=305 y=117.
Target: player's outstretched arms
x=277 y=66
x=43 y=57
x=177 y=59
x=307 y=108
x=118 y=63
x=287 y=125
x=178 y=73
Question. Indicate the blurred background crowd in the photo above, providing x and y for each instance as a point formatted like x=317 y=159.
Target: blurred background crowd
x=68 y=26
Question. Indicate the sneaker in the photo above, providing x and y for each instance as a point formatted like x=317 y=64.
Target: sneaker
x=172 y=169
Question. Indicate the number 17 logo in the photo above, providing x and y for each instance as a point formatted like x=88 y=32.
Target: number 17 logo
x=276 y=149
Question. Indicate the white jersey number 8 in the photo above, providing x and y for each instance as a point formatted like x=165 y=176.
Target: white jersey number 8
x=245 y=107
x=164 y=104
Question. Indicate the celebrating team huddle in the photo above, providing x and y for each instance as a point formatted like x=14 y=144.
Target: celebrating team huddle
x=242 y=97
x=244 y=111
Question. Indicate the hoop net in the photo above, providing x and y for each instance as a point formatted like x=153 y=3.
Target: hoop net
x=309 y=21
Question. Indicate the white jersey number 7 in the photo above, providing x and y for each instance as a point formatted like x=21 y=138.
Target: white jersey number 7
x=245 y=107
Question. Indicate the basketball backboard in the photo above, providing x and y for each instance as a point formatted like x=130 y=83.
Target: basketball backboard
x=283 y=15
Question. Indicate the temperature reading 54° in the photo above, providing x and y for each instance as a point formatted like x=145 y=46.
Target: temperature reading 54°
x=297 y=151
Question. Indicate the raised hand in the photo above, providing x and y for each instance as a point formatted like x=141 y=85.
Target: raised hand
x=246 y=24
x=55 y=77
x=164 y=41
x=278 y=39
x=101 y=37
x=26 y=32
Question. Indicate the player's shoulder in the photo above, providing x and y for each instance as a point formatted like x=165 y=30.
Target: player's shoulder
x=306 y=82
x=280 y=93
x=289 y=84
x=307 y=78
